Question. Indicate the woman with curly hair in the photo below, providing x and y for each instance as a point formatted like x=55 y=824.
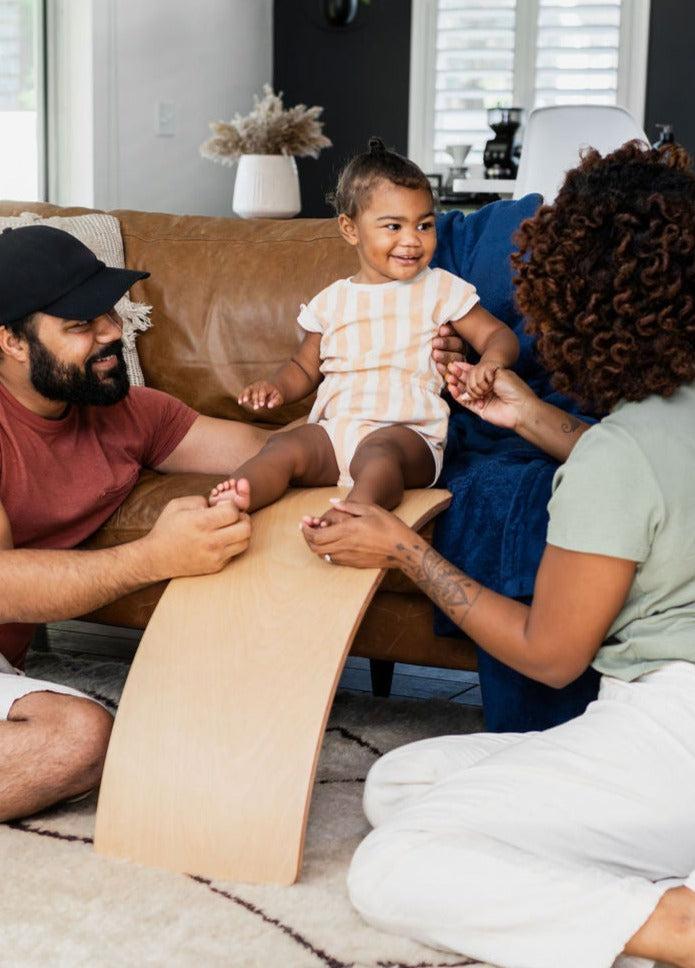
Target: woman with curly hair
x=576 y=845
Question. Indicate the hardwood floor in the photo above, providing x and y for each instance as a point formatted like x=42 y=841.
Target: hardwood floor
x=409 y=681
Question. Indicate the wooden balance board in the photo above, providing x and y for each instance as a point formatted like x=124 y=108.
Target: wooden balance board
x=214 y=749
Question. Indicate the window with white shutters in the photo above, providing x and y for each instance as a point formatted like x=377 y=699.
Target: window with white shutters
x=577 y=52
x=472 y=55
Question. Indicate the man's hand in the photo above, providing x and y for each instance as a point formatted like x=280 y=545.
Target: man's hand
x=447 y=347
x=259 y=395
x=192 y=538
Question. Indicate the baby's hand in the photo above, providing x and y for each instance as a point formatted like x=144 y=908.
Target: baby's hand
x=456 y=376
x=259 y=395
x=481 y=377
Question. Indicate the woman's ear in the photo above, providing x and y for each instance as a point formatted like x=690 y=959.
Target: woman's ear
x=348 y=229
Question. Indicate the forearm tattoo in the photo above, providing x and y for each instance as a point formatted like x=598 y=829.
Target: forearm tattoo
x=450 y=589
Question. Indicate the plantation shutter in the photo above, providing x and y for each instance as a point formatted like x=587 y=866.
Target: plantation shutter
x=524 y=53
x=474 y=70
x=577 y=49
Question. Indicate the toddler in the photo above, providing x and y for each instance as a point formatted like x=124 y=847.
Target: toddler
x=379 y=423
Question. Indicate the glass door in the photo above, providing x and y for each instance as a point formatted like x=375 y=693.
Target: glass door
x=22 y=114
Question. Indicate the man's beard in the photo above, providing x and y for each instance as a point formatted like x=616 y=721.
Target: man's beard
x=67 y=383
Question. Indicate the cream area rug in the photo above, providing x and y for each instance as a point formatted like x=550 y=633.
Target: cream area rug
x=63 y=905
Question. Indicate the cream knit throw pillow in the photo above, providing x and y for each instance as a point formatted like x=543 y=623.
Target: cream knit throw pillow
x=102 y=234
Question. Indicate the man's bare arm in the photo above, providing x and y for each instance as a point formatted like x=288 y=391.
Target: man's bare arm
x=189 y=538
x=215 y=446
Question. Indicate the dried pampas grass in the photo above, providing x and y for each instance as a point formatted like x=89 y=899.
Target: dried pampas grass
x=269 y=129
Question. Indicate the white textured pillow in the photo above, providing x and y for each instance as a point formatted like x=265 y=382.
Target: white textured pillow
x=102 y=234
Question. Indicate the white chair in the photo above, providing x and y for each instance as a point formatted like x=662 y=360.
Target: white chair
x=554 y=136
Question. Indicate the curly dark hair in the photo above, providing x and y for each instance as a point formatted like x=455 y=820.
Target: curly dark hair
x=361 y=174
x=606 y=276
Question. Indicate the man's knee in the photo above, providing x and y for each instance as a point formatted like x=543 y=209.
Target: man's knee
x=89 y=728
x=77 y=726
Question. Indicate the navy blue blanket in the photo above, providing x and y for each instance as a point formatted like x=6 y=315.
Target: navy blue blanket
x=496 y=525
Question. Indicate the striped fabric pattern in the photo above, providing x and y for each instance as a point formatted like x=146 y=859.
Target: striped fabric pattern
x=376 y=348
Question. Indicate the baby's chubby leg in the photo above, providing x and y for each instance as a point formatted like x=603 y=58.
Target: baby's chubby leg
x=236 y=491
x=300 y=456
x=386 y=461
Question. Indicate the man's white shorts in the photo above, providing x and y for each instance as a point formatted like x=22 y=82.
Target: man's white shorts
x=14 y=685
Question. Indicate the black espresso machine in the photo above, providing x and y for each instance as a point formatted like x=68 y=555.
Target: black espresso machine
x=501 y=154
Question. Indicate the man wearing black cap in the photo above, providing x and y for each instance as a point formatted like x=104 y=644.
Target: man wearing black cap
x=73 y=438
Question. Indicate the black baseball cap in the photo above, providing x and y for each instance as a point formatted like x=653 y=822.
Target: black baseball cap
x=43 y=269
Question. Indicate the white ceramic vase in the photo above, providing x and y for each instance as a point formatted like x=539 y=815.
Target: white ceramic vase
x=266 y=186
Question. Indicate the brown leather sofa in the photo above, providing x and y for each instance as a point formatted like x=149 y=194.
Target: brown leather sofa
x=225 y=295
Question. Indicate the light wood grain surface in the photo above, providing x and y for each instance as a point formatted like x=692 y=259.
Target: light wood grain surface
x=214 y=749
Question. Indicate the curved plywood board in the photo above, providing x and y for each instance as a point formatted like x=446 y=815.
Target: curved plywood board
x=214 y=749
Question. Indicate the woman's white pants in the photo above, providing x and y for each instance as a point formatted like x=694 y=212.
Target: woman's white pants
x=537 y=850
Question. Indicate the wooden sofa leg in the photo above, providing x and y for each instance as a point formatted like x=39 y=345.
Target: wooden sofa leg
x=381 y=671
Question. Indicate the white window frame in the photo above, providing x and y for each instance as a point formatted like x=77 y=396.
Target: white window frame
x=82 y=72
x=42 y=105
x=70 y=111
x=632 y=69
x=29 y=157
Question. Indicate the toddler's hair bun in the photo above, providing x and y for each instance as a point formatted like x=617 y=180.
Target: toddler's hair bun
x=376 y=146
x=378 y=163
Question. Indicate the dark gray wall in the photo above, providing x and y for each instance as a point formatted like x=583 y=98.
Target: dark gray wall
x=670 y=75
x=358 y=73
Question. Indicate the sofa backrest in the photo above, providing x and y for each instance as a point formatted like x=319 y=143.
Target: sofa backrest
x=225 y=294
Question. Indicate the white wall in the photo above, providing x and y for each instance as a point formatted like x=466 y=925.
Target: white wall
x=207 y=59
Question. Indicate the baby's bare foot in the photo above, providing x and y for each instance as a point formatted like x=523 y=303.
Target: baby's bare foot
x=239 y=492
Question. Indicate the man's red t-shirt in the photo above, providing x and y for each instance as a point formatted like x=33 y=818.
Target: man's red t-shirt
x=61 y=479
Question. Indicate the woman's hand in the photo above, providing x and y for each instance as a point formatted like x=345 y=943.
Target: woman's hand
x=512 y=404
x=481 y=377
x=447 y=347
x=366 y=537
x=505 y=405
